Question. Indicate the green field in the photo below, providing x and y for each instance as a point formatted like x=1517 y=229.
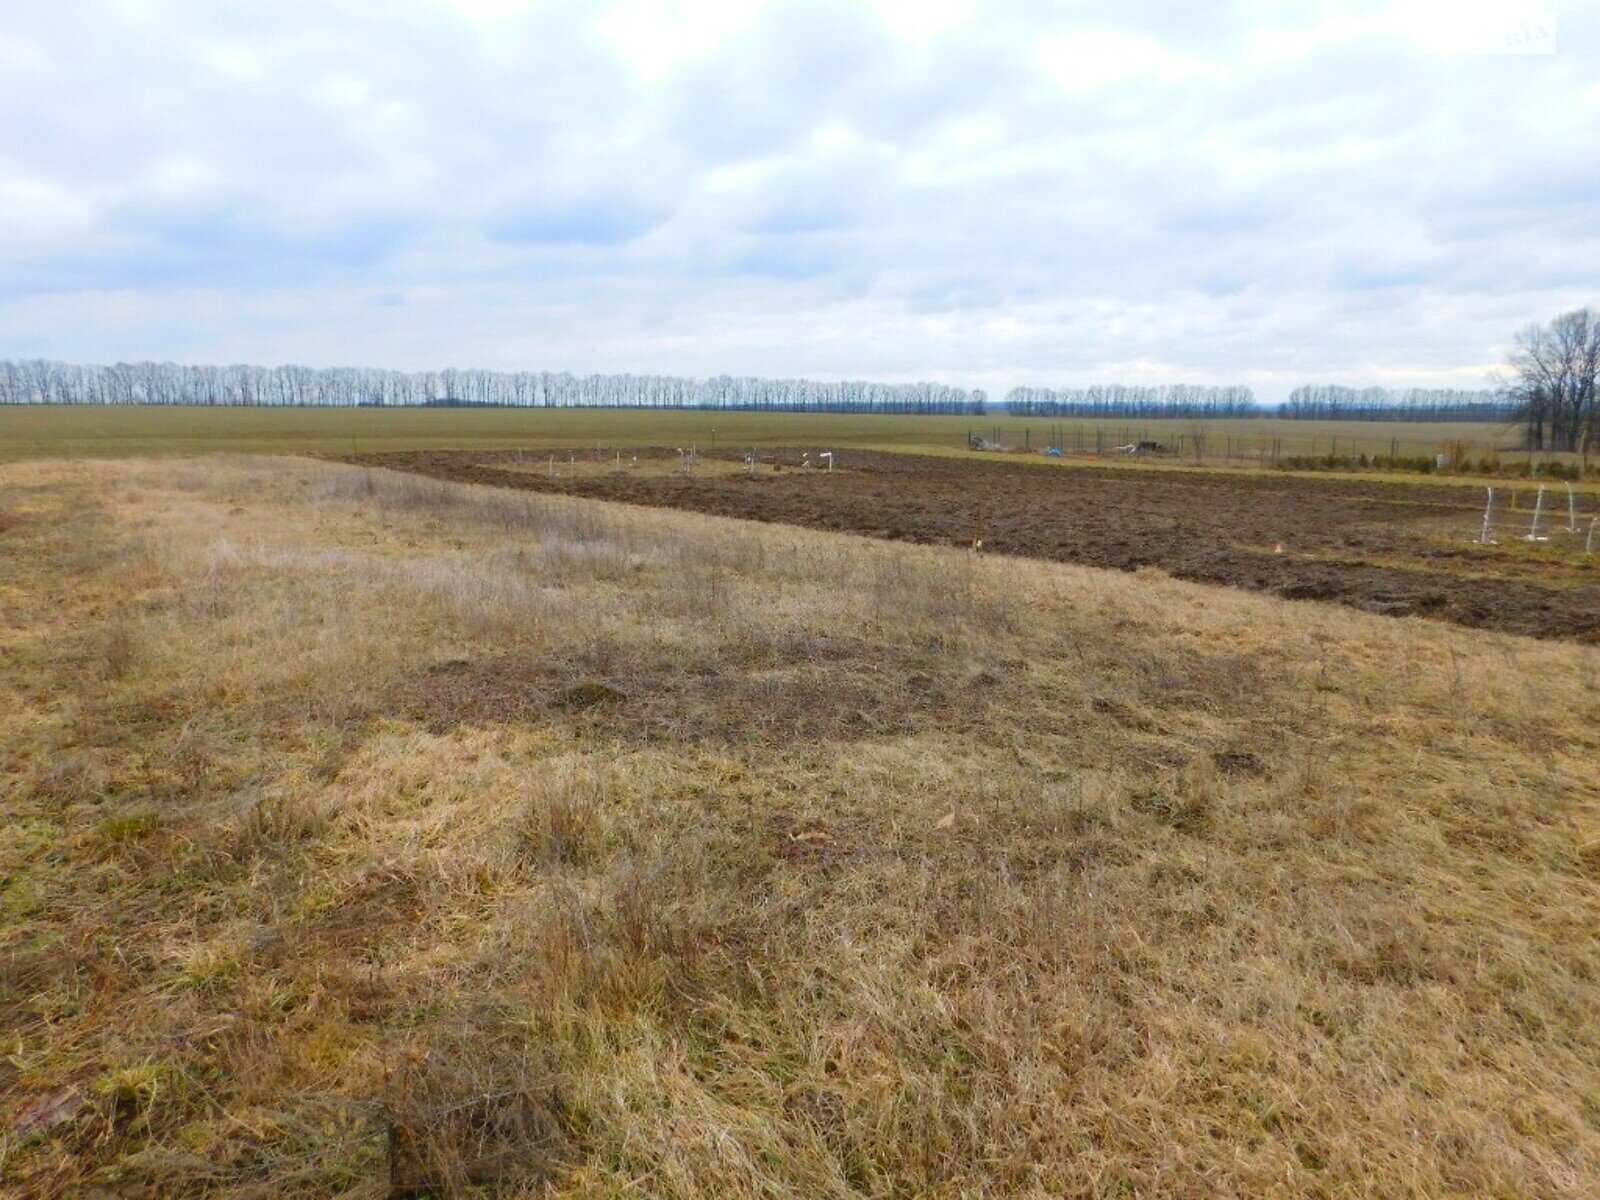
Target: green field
x=109 y=432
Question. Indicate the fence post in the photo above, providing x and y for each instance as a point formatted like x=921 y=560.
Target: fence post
x=1538 y=507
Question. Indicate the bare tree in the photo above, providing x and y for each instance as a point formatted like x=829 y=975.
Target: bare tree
x=1554 y=369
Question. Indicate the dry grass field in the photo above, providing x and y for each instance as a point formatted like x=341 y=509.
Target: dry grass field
x=369 y=835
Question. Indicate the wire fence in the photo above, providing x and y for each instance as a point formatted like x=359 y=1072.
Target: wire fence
x=1485 y=453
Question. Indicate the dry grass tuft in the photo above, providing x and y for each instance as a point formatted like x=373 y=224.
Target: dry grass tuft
x=468 y=1111
x=563 y=819
x=366 y=835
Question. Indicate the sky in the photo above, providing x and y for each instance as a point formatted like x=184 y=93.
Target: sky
x=984 y=194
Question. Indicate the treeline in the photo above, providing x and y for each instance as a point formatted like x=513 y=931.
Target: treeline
x=1554 y=393
x=1311 y=402
x=1330 y=402
x=43 y=382
x=1122 y=400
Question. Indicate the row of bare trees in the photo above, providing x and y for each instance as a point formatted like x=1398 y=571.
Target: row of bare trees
x=43 y=382
x=1310 y=402
x=1332 y=402
x=1123 y=400
x=1553 y=370
x=1550 y=388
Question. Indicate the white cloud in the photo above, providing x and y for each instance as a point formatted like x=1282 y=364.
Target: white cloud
x=834 y=187
x=1440 y=28
x=235 y=59
x=920 y=21
x=656 y=36
x=35 y=212
x=1085 y=60
x=490 y=11
x=19 y=56
x=1473 y=27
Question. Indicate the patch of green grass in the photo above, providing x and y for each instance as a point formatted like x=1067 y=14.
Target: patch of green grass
x=115 y=832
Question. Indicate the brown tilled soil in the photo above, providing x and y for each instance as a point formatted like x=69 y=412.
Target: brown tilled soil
x=1392 y=548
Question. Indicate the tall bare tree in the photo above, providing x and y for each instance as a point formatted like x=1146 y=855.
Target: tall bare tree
x=1554 y=370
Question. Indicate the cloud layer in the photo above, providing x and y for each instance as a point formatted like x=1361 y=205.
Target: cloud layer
x=984 y=194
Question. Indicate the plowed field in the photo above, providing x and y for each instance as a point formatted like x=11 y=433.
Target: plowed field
x=1395 y=548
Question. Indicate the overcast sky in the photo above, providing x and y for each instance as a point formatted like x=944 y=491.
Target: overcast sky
x=981 y=193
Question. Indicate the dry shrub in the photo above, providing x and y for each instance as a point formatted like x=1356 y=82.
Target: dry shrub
x=652 y=921
x=120 y=652
x=276 y=824
x=1238 y=762
x=563 y=819
x=1387 y=949
x=113 y=836
x=913 y=591
x=587 y=694
x=478 y=691
x=368 y=903
x=131 y=1094
x=560 y=561
x=700 y=587
x=194 y=758
x=1187 y=802
x=75 y=777
x=1589 y=857
x=475 y=1108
